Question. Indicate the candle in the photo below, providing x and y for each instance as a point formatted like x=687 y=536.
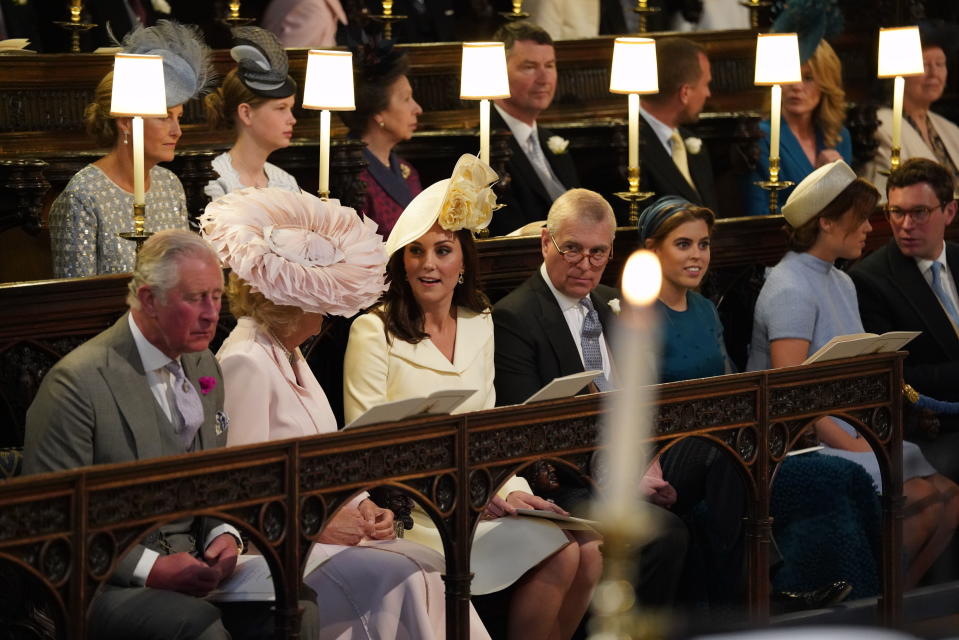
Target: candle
x=628 y=421
x=324 y=153
x=777 y=102
x=898 y=87
x=484 y=130
x=138 y=197
x=633 y=130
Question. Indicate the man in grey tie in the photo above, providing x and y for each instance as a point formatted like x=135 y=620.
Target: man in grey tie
x=910 y=285
x=148 y=387
x=539 y=170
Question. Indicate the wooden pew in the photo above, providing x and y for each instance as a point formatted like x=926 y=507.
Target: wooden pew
x=67 y=530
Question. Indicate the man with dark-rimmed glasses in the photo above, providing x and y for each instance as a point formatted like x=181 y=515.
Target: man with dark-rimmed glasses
x=910 y=284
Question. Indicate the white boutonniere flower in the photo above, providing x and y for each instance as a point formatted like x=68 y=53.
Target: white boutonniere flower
x=614 y=306
x=557 y=144
x=161 y=6
x=693 y=145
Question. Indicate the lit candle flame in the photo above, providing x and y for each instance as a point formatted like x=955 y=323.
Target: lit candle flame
x=642 y=278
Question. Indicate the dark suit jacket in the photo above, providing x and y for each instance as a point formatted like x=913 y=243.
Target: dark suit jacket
x=659 y=174
x=533 y=342
x=526 y=198
x=894 y=296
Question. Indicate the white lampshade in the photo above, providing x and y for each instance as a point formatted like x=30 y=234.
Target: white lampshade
x=484 y=71
x=900 y=52
x=138 y=88
x=329 y=81
x=777 y=59
x=634 y=66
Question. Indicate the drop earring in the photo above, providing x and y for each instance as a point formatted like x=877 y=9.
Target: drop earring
x=460 y=279
x=126 y=138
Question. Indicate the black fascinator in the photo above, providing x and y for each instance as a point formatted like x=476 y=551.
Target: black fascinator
x=262 y=64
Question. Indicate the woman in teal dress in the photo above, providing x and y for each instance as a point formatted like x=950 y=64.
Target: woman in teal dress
x=812 y=132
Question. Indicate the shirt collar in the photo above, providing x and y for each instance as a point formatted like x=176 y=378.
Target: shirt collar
x=151 y=357
x=662 y=130
x=520 y=130
x=924 y=265
x=565 y=302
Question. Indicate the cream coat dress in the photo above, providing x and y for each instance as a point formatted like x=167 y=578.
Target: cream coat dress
x=913 y=146
x=380 y=590
x=376 y=371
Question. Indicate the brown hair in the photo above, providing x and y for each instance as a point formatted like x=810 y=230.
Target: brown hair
x=682 y=216
x=859 y=196
x=276 y=318
x=221 y=105
x=513 y=32
x=401 y=314
x=98 y=122
x=919 y=170
x=372 y=93
x=683 y=66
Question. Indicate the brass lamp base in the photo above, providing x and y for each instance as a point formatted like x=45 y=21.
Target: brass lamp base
x=512 y=15
x=388 y=20
x=754 y=6
x=138 y=238
x=644 y=12
x=139 y=235
x=774 y=187
x=75 y=29
x=634 y=198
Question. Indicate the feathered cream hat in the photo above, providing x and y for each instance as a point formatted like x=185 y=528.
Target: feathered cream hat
x=463 y=201
x=298 y=250
x=817 y=190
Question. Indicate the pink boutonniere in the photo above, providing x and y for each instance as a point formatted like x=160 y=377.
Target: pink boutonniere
x=207 y=384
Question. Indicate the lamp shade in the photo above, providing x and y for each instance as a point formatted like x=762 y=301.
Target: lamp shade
x=484 y=71
x=634 y=66
x=138 y=88
x=777 y=59
x=900 y=52
x=329 y=81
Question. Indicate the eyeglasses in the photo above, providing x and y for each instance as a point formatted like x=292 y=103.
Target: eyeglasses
x=597 y=257
x=918 y=214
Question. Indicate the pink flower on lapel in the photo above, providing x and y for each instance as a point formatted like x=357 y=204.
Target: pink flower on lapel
x=207 y=384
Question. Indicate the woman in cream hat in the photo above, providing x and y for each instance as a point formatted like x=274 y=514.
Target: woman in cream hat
x=296 y=259
x=97 y=203
x=805 y=302
x=434 y=331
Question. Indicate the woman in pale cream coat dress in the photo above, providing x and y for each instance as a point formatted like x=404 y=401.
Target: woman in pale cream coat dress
x=433 y=332
x=296 y=259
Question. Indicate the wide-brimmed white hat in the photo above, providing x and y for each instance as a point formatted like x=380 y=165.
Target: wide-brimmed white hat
x=298 y=250
x=816 y=191
x=462 y=201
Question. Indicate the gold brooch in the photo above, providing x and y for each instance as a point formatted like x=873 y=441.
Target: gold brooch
x=405 y=171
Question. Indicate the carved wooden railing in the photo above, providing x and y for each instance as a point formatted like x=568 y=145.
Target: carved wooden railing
x=69 y=529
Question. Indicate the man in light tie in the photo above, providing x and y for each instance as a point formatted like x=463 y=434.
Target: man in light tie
x=910 y=285
x=539 y=171
x=673 y=161
x=148 y=387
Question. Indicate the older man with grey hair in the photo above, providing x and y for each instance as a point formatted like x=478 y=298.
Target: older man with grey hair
x=148 y=387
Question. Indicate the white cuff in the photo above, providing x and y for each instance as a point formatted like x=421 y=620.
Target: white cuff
x=144 y=566
x=220 y=530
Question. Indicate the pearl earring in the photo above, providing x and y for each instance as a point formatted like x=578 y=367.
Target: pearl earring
x=381 y=123
x=460 y=279
x=126 y=138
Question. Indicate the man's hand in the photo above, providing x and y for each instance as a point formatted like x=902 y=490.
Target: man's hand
x=348 y=527
x=658 y=491
x=379 y=518
x=221 y=554
x=184 y=573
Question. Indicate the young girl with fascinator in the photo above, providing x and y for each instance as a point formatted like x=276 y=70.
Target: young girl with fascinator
x=805 y=302
x=433 y=331
x=385 y=115
x=97 y=203
x=256 y=101
x=296 y=259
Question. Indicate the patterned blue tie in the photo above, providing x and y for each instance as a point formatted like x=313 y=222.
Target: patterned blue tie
x=940 y=291
x=589 y=340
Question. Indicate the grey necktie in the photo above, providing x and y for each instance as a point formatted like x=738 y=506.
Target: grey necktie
x=188 y=405
x=589 y=341
x=940 y=291
x=535 y=153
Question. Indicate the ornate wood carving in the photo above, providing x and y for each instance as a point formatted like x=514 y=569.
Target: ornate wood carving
x=23 y=183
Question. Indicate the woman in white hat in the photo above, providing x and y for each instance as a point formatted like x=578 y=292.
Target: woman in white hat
x=97 y=203
x=296 y=259
x=805 y=302
x=434 y=331
x=256 y=101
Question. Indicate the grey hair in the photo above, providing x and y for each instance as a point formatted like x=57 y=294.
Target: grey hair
x=158 y=263
x=581 y=205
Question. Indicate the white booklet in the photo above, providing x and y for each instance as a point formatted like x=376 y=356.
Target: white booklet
x=437 y=403
x=563 y=522
x=564 y=387
x=860 y=344
x=251 y=581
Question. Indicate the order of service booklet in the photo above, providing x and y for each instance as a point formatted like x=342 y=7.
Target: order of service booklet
x=437 y=403
x=860 y=344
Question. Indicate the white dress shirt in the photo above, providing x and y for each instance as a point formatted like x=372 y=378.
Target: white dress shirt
x=528 y=139
x=575 y=315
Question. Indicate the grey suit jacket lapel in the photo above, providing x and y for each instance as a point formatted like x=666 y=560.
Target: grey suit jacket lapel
x=207 y=433
x=123 y=372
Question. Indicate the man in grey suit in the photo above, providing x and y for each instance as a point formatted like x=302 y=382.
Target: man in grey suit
x=148 y=387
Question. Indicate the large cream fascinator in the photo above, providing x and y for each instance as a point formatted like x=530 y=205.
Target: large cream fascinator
x=463 y=201
x=298 y=250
